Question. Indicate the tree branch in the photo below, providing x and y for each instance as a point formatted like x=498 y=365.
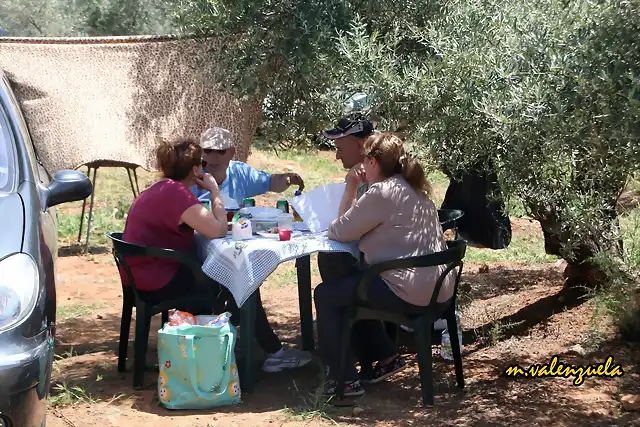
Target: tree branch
x=33 y=23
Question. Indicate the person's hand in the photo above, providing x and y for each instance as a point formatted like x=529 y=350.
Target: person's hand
x=356 y=175
x=295 y=179
x=207 y=182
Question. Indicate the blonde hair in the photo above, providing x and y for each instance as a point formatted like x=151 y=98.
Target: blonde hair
x=388 y=150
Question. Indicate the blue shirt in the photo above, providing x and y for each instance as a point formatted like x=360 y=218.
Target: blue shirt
x=242 y=181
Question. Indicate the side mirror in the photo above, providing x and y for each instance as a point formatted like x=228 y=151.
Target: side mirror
x=66 y=186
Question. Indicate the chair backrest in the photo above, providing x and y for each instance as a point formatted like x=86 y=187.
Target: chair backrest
x=448 y=218
x=122 y=249
x=451 y=257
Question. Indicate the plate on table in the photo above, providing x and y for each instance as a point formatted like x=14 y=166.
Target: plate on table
x=268 y=235
x=275 y=236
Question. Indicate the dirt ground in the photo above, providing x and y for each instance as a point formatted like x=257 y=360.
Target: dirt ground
x=516 y=315
x=512 y=313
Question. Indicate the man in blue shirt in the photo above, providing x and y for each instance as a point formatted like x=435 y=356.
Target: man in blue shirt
x=237 y=180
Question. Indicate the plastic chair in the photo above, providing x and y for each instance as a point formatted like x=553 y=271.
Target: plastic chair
x=144 y=311
x=447 y=219
x=422 y=323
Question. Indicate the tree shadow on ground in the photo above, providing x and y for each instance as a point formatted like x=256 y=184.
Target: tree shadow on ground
x=501 y=280
x=88 y=349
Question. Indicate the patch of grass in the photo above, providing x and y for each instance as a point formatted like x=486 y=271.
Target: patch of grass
x=286 y=276
x=112 y=199
x=499 y=329
x=72 y=311
x=65 y=395
x=314 y=406
x=525 y=247
x=630 y=231
x=618 y=301
x=316 y=167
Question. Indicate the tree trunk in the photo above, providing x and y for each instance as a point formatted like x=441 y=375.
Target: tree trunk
x=581 y=270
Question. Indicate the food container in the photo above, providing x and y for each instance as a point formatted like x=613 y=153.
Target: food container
x=285 y=221
x=262 y=218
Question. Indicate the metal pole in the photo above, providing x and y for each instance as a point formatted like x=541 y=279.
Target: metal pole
x=131 y=182
x=84 y=204
x=93 y=193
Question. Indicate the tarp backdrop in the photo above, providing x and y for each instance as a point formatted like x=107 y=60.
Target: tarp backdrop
x=116 y=98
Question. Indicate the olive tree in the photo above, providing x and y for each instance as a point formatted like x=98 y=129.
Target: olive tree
x=64 y=18
x=547 y=92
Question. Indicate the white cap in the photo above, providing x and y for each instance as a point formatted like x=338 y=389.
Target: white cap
x=216 y=138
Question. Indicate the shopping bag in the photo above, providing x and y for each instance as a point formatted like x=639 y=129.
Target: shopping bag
x=197 y=364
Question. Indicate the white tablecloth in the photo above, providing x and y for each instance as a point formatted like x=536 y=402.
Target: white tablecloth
x=242 y=266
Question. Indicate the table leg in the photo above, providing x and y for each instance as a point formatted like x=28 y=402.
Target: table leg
x=248 y=328
x=303 y=267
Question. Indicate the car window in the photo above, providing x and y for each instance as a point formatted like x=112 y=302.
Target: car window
x=22 y=128
x=7 y=171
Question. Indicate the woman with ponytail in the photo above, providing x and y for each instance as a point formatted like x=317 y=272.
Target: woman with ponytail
x=394 y=219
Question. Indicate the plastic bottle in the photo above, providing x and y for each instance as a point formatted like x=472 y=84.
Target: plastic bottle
x=296 y=217
x=445 y=345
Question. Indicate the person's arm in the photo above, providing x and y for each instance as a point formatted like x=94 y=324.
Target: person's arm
x=354 y=178
x=282 y=181
x=349 y=198
x=210 y=224
x=204 y=222
x=253 y=182
x=367 y=213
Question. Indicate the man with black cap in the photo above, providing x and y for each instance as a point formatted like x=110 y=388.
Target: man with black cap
x=348 y=136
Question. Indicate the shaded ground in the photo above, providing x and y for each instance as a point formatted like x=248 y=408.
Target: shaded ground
x=515 y=317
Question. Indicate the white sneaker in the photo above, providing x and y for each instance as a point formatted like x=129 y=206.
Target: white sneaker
x=286 y=358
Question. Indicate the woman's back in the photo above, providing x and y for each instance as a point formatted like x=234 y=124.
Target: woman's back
x=154 y=220
x=398 y=223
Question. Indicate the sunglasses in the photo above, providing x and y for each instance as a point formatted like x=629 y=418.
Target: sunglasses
x=212 y=151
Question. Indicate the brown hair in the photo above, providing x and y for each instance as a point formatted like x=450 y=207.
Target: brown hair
x=177 y=158
x=389 y=152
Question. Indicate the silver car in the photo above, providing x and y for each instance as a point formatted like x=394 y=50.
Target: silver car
x=28 y=250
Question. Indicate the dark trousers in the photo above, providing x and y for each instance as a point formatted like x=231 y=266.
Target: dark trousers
x=215 y=299
x=334 y=265
x=370 y=341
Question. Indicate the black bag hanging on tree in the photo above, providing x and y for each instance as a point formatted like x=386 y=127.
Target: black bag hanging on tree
x=477 y=193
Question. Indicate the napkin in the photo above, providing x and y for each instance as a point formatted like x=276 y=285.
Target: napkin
x=319 y=207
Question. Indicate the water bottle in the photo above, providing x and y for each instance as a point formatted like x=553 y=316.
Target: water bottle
x=445 y=346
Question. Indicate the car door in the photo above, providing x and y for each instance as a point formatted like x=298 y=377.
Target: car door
x=49 y=217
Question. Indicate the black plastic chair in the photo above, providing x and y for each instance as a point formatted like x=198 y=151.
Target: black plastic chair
x=144 y=311
x=452 y=257
x=447 y=219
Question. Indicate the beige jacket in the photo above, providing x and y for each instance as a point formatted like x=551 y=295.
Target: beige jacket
x=392 y=221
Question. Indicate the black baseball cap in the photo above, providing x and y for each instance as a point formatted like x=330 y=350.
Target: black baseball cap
x=346 y=126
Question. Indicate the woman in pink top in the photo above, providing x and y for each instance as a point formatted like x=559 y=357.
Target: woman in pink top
x=166 y=215
x=394 y=219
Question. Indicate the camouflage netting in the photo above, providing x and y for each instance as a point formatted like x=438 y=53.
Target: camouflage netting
x=114 y=99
